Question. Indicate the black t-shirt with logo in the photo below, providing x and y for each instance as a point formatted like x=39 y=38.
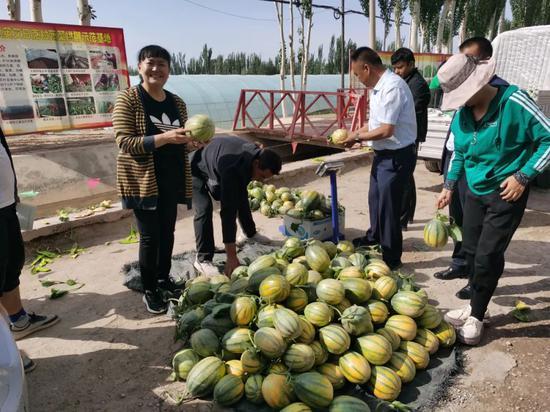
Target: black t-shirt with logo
x=170 y=158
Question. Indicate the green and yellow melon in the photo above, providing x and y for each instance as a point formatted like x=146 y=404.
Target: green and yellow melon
x=356 y=320
x=335 y=339
x=343 y=305
x=296 y=407
x=330 y=248
x=183 y=361
x=404 y=326
x=436 y=234
x=299 y=357
x=205 y=343
x=274 y=289
x=296 y=274
x=375 y=348
x=297 y=300
x=237 y=340
x=243 y=310
x=278 y=368
x=287 y=323
x=255 y=280
x=198 y=293
x=377 y=268
x=235 y=367
x=253 y=389
x=358 y=260
x=270 y=342
x=445 y=334
x=391 y=336
x=351 y=272
x=333 y=373
x=277 y=391
x=384 y=288
x=346 y=403
x=204 y=376
x=430 y=319
x=317 y=258
x=403 y=366
x=321 y=354
x=408 y=303
x=384 y=383
x=308 y=331
x=418 y=354
x=345 y=247
x=313 y=277
x=314 y=389
x=357 y=290
x=355 y=367
x=428 y=339
x=378 y=311
x=251 y=361
x=265 y=316
x=330 y=291
x=229 y=390
x=318 y=313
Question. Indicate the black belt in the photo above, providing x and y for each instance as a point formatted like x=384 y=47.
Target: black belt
x=393 y=152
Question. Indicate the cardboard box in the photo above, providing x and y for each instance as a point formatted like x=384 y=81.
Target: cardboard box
x=311 y=229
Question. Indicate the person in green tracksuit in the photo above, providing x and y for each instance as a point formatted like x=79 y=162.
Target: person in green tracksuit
x=502 y=142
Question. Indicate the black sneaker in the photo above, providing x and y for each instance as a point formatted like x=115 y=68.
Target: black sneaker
x=169 y=287
x=28 y=363
x=30 y=323
x=154 y=302
x=362 y=242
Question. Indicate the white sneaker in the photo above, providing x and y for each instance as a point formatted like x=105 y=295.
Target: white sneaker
x=206 y=268
x=458 y=317
x=470 y=333
x=256 y=238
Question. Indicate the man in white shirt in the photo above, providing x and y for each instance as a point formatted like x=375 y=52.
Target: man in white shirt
x=12 y=257
x=392 y=131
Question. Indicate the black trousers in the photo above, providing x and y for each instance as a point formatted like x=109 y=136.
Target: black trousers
x=408 y=205
x=12 y=249
x=456 y=208
x=391 y=170
x=489 y=224
x=156 y=242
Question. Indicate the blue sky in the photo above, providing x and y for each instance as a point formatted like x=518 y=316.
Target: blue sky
x=183 y=25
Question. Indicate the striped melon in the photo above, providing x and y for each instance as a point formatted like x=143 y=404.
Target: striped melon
x=299 y=357
x=378 y=311
x=355 y=367
x=335 y=339
x=333 y=373
x=310 y=292
x=251 y=361
x=302 y=260
x=435 y=233
x=205 y=343
x=430 y=319
x=357 y=290
x=351 y=272
x=260 y=263
x=183 y=361
x=346 y=403
x=229 y=390
x=321 y=354
x=238 y=286
x=445 y=334
x=314 y=389
x=418 y=354
x=385 y=383
x=404 y=326
x=270 y=342
x=408 y=303
x=423 y=294
x=391 y=336
x=278 y=368
x=220 y=326
x=358 y=260
x=330 y=291
x=234 y=367
x=356 y=320
x=274 y=288
x=253 y=389
x=384 y=288
x=317 y=258
x=427 y=339
x=331 y=248
x=198 y=293
x=239 y=272
x=376 y=348
x=287 y=323
x=296 y=407
x=342 y=306
x=204 y=376
x=277 y=391
x=339 y=263
x=257 y=278
x=281 y=264
x=345 y=247
x=265 y=316
x=308 y=331
x=237 y=340
x=377 y=268
x=297 y=300
x=313 y=277
x=403 y=366
x=318 y=313
x=243 y=311
x=296 y=274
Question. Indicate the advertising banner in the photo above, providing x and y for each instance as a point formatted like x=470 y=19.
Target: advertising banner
x=57 y=76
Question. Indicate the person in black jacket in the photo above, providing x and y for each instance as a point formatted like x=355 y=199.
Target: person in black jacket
x=222 y=171
x=403 y=64
x=12 y=257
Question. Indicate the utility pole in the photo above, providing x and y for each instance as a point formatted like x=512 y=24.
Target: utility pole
x=372 y=24
x=343 y=46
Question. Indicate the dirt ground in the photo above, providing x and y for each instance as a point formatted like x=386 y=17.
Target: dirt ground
x=109 y=354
